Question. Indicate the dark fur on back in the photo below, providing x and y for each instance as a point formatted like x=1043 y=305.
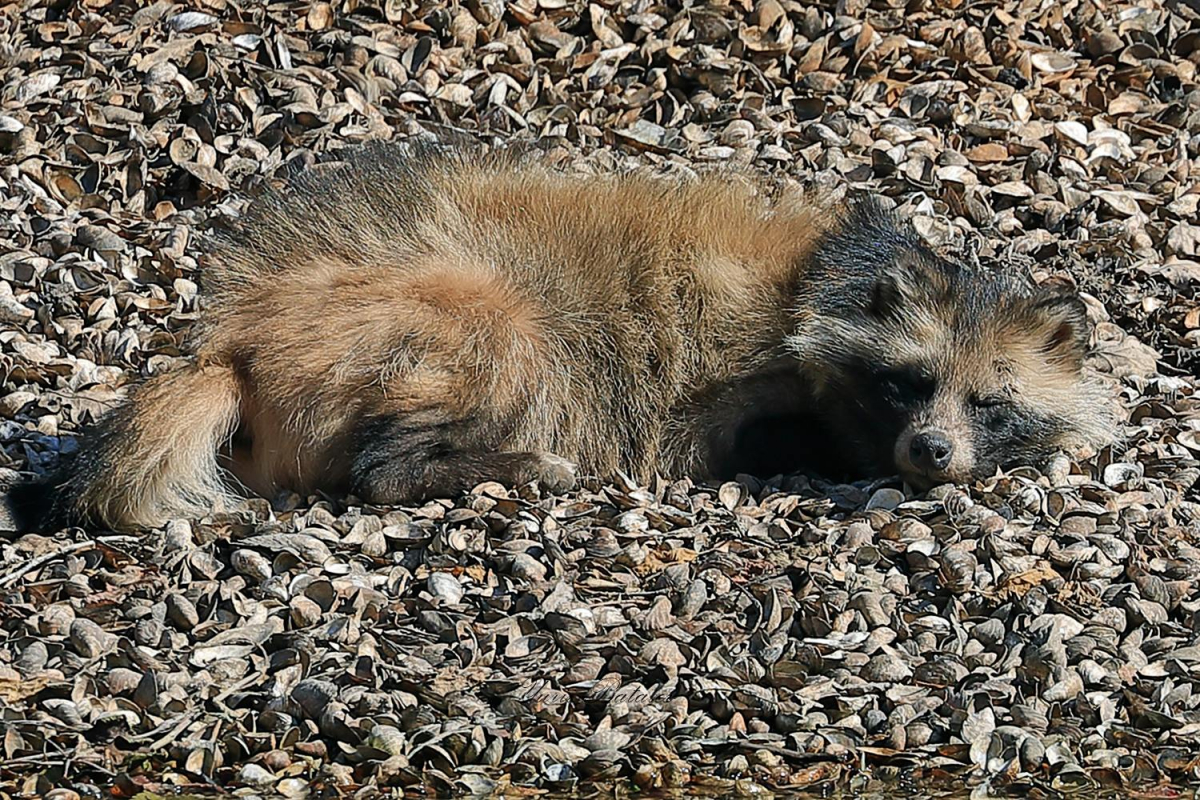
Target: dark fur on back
x=406 y=323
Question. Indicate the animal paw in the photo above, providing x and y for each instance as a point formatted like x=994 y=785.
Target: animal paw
x=556 y=474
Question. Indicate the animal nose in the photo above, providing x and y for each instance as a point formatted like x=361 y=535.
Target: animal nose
x=931 y=450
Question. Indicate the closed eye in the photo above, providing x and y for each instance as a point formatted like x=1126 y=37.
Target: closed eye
x=906 y=387
x=994 y=411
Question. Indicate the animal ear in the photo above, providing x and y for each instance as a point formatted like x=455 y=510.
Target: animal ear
x=901 y=282
x=888 y=293
x=1060 y=320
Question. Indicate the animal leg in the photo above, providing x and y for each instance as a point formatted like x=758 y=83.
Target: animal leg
x=404 y=460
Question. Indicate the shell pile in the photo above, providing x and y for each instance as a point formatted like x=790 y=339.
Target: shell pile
x=1035 y=632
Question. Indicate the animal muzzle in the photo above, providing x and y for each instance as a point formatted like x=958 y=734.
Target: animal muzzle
x=931 y=451
x=929 y=455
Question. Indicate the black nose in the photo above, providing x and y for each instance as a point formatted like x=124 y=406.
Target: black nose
x=931 y=450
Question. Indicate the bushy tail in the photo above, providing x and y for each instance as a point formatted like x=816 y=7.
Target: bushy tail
x=152 y=459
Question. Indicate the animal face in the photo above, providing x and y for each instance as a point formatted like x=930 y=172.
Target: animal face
x=940 y=372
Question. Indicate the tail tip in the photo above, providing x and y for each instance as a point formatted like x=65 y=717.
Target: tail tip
x=26 y=506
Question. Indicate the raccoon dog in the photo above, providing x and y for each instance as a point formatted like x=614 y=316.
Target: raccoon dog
x=406 y=324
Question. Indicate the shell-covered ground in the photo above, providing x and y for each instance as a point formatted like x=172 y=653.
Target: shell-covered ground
x=1037 y=632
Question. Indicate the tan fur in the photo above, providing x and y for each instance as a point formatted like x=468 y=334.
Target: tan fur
x=173 y=428
x=489 y=305
x=401 y=330
x=627 y=323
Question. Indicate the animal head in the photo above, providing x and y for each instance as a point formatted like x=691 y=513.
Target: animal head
x=939 y=371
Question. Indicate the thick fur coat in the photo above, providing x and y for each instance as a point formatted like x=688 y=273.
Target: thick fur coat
x=406 y=324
